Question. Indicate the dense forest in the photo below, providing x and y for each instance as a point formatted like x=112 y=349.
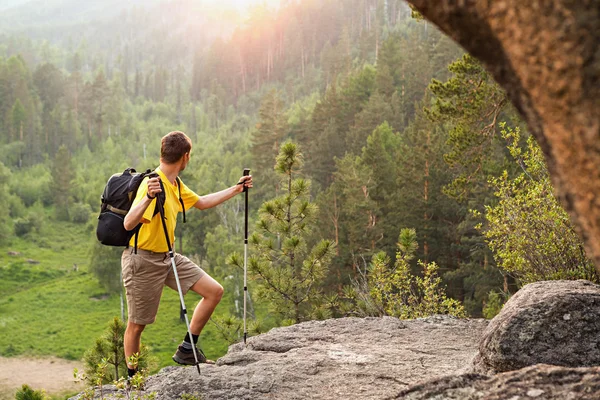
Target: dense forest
x=395 y=128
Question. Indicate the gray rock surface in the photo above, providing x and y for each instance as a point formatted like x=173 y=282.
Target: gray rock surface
x=370 y=358
x=541 y=381
x=550 y=322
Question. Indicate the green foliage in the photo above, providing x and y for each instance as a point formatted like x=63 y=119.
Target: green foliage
x=134 y=386
x=32 y=185
x=27 y=393
x=19 y=118
x=287 y=271
x=494 y=304
x=231 y=328
x=470 y=103
x=22 y=226
x=395 y=291
x=131 y=388
x=62 y=175
x=529 y=232
x=105 y=361
x=5 y=197
x=80 y=213
x=105 y=264
x=271 y=130
x=195 y=396
x=414 y=13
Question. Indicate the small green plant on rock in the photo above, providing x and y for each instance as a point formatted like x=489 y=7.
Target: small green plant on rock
x=133 y=388
x=27 y=393
x=231 y=327
x=195 y=396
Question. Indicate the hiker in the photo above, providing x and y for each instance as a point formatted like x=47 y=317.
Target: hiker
x=146 y=273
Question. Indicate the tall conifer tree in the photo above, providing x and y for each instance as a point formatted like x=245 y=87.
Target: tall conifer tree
x=288 y=271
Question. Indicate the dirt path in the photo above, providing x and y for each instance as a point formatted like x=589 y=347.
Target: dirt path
x=54 y=375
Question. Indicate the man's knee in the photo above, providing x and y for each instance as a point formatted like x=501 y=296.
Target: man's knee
x=208 y=288
x=134 y=329
x=219 y=292
x=216 y=292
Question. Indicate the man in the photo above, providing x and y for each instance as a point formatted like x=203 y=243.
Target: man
x=146 y=273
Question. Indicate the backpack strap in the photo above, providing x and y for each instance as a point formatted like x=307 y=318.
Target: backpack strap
x=116 y=210
x=180 y=199
x=137 y=232
x=137 y=229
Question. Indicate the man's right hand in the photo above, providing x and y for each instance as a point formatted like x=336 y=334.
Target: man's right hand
x=154 y=187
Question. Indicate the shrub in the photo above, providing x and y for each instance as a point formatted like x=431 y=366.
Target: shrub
x=16 y=206
x=529 y=232
x=27 y=393
x=395 y=291
x=79 y=213
x=22 y=226
x=105 y=361
x=33 y=221
x=494 y=304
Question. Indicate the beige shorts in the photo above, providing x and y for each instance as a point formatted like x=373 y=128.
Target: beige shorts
x=144 y=276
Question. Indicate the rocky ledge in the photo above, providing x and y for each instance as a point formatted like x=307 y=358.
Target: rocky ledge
x=543 y=345
x=360 y=358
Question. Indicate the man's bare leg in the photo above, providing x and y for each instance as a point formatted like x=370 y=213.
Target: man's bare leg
x=211 y=292
x=131 y=341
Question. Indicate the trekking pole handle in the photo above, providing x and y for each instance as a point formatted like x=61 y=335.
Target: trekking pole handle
x=246 y=173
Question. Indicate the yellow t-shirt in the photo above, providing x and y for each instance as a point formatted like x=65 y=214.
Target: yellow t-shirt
x=152 y=235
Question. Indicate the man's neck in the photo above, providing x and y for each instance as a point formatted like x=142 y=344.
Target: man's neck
x=170 y=170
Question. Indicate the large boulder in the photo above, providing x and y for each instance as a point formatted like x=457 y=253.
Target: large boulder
x=541 y=381
x=549 y=322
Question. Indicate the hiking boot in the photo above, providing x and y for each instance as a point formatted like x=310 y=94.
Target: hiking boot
x=186 y=357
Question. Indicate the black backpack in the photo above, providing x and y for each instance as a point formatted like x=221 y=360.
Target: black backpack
x=117 y=198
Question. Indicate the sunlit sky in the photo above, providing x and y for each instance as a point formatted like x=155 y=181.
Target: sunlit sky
x=241 y=5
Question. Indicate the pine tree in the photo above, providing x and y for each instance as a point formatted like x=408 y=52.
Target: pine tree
x=105 y=360
x=376 y=112
x=62 y=175
x=288 y=272
x=19 y=118
x=105 y=263
x=326 y=141
x=5 y=195
x=27 y=393
x=348 y=204
x=470 y=103
x=271 y=130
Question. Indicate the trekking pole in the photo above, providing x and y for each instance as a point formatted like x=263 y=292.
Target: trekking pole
x=246 y=173
x=161 y=210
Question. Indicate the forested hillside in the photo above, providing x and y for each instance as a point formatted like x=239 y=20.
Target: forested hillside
x=396 y=128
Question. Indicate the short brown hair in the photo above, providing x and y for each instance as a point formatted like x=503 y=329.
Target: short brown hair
x=173 y=146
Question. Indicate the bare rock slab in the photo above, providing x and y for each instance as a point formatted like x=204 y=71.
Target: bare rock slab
x=549 y=322
x=346 y=358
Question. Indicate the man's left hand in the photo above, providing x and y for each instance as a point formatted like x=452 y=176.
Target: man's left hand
x=245 y=182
